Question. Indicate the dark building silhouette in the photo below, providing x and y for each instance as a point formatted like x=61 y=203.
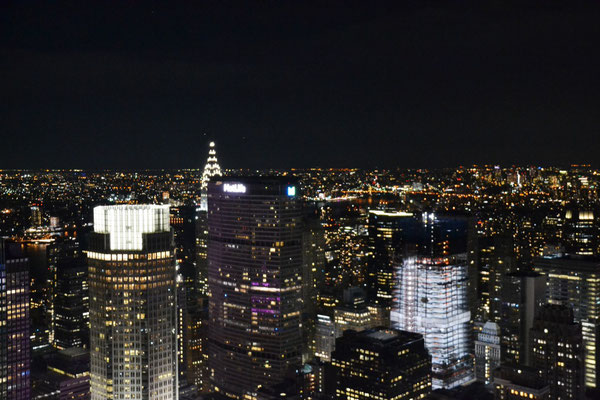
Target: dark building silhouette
x=379 y=363
x=556 y=351
x=70 y=297
x=515 y=382
x=574 y=281
x=66 y=377
x=522 y=294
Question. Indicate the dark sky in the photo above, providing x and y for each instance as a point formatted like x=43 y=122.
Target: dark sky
x=134 y=84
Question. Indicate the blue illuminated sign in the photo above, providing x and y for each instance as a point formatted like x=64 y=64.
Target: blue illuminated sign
x=291 y=191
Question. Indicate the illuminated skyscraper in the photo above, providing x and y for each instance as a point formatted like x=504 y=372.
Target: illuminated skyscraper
x=132 y=304
x=575 y=282
x=432 y=298
x=211 y=169
x=255 y=282
x=15 y=325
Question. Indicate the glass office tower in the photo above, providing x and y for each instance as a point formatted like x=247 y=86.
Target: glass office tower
x=132 y=304
x=255 y=282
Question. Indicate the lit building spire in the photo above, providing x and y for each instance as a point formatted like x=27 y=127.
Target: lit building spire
x=212 y=167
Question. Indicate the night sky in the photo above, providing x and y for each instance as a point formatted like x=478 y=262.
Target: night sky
x=134 y=84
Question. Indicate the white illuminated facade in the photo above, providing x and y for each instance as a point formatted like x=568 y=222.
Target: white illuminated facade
x=132 y=290
x=431 y=299
x=126 y=225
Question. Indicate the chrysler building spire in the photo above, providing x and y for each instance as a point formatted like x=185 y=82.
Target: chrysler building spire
x=212 y=167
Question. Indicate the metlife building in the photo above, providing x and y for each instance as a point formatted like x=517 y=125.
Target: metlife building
x=255 y=282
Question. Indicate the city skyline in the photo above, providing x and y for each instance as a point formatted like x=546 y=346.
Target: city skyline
x=283 y=200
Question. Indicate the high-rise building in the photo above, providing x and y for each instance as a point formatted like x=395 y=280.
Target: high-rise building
x=557 y=346
x=581 y=231
x=202 y=252
x=255 y=282
x=132 y=304
x=183 y=220
x=432 y=297
x=522 y=294
x=386 y=230
x=211 y=169
x=575 y=282
x=432 y=300
x=487 y=352
x=313 y=244
x=15 y=324
x=70 y=298
x=379 y=364
x=502 y=262
x=190 y=290
x=197 y=346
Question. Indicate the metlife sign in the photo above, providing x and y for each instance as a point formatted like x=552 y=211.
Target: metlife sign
x=234 y=188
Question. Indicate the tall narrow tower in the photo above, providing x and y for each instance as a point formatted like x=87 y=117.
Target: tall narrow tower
x=15 y=326
x=132 y=304
x=255 y=282
x=211 y=169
